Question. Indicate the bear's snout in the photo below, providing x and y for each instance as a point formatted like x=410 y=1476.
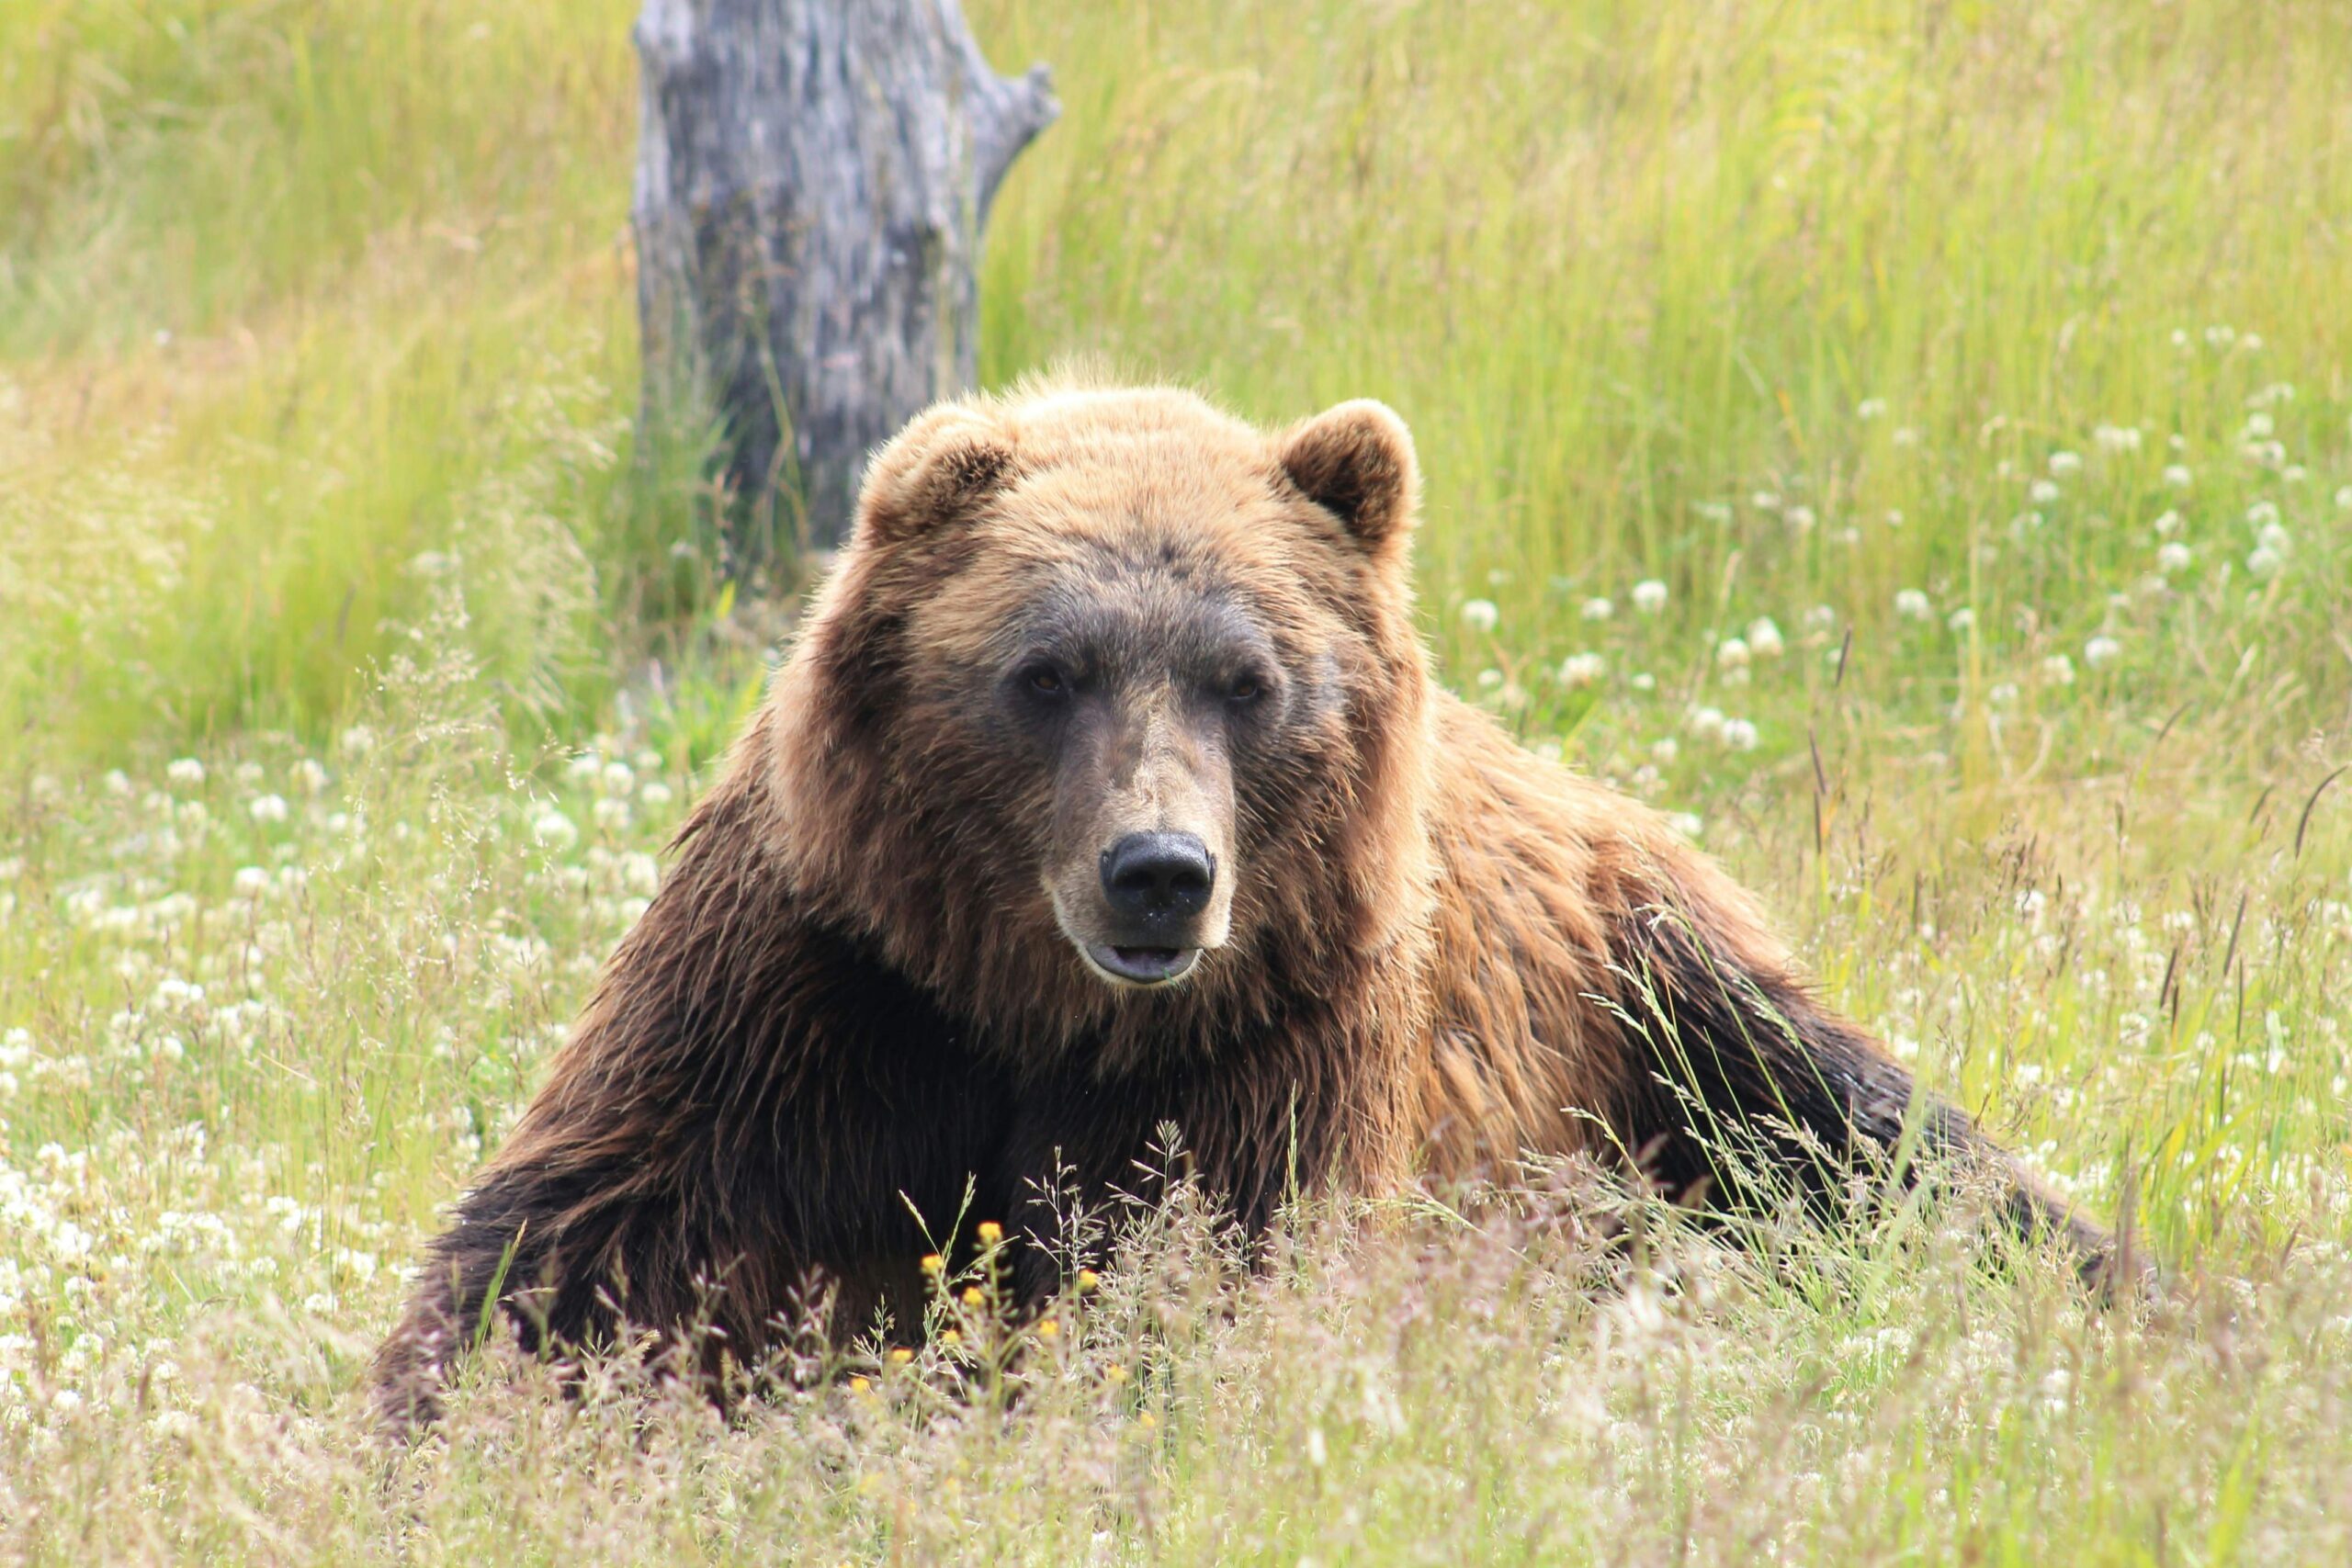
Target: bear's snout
x=1157 y=879
x=1156 y=887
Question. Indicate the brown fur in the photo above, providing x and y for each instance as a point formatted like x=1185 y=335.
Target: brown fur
x=858 y=990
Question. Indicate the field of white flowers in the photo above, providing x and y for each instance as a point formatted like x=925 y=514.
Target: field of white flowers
x=1912 y=442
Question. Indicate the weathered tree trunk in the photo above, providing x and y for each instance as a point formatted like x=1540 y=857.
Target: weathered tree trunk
x=812 y=177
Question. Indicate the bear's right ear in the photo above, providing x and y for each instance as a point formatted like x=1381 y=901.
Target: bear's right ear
x=1356 y=461
x=942 y=465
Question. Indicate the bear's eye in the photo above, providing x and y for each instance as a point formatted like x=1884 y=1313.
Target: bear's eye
x=1245 y=689
x=1046 y=682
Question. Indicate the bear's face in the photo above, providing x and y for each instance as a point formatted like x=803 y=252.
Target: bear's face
x=1113 y=661
x=1138 y=691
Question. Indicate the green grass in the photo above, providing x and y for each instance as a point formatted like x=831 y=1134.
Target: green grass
x=1884 y=323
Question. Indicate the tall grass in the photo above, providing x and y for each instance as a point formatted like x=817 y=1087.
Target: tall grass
x=1908 y=438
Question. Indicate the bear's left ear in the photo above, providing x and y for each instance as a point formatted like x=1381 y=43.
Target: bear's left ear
x=1356 y=461
x=946 y=461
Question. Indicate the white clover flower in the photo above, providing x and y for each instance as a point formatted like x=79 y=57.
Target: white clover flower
x=2101 y=650
x=187 y=773
x=1481 y=616
x=2042 y=493
x=2260 y=513
x=2167 y=523
x=553 y=828
x=118 y=783
x=585 y=768
x=2117 y=437
x=1649 y=594
x=2293 y=474
x=1906 y=436
x=2219 y=336
x=1489 y=679
x=611 y=814
x=2062 y=464
x=2059 y=670
x=1764 y=638
x=618 y=778
x=2004 y=694
x=1912 y=606
x=655 y=793
x=1962 y=619
x=2180 y=337
x=2262 y=562
x=1765 y=501
x=2259 y=425
x=1870 y=409
x=1665 y=749
x=1598 y=609
x=308 y=776
x=2177 y=476
x=268 y=807
x=2172 y=558
x=357 y=739
x=1707 y=723
x=251 y=882
x=1801 y=518
x=1732 y=653
x=1582 y=669
x=1739 y=735
x=2274 y=539
x=2343 y=497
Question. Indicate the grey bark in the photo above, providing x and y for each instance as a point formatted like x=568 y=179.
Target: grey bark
x=812 y=178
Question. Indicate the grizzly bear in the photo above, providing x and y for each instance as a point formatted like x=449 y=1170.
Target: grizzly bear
x=1107 y=788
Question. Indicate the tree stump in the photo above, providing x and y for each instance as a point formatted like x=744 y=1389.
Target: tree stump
x=812 y=178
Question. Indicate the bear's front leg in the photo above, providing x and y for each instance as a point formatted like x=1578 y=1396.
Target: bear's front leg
x=713 y=1154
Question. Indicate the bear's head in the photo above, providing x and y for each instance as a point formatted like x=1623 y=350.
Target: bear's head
x=1112 y=718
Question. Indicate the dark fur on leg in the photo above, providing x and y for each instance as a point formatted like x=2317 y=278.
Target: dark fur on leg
x=1763 y=1067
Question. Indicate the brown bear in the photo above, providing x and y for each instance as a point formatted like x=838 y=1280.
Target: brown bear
x=1107 y=788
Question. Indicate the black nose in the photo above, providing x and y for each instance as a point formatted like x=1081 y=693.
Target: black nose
x=1157 y=876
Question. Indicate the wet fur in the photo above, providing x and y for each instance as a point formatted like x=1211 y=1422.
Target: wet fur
x=849 y=997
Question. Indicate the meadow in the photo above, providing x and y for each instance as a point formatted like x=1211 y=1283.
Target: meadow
x=1910 y=439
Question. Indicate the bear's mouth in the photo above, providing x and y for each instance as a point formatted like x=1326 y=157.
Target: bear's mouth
x=1142 y=965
